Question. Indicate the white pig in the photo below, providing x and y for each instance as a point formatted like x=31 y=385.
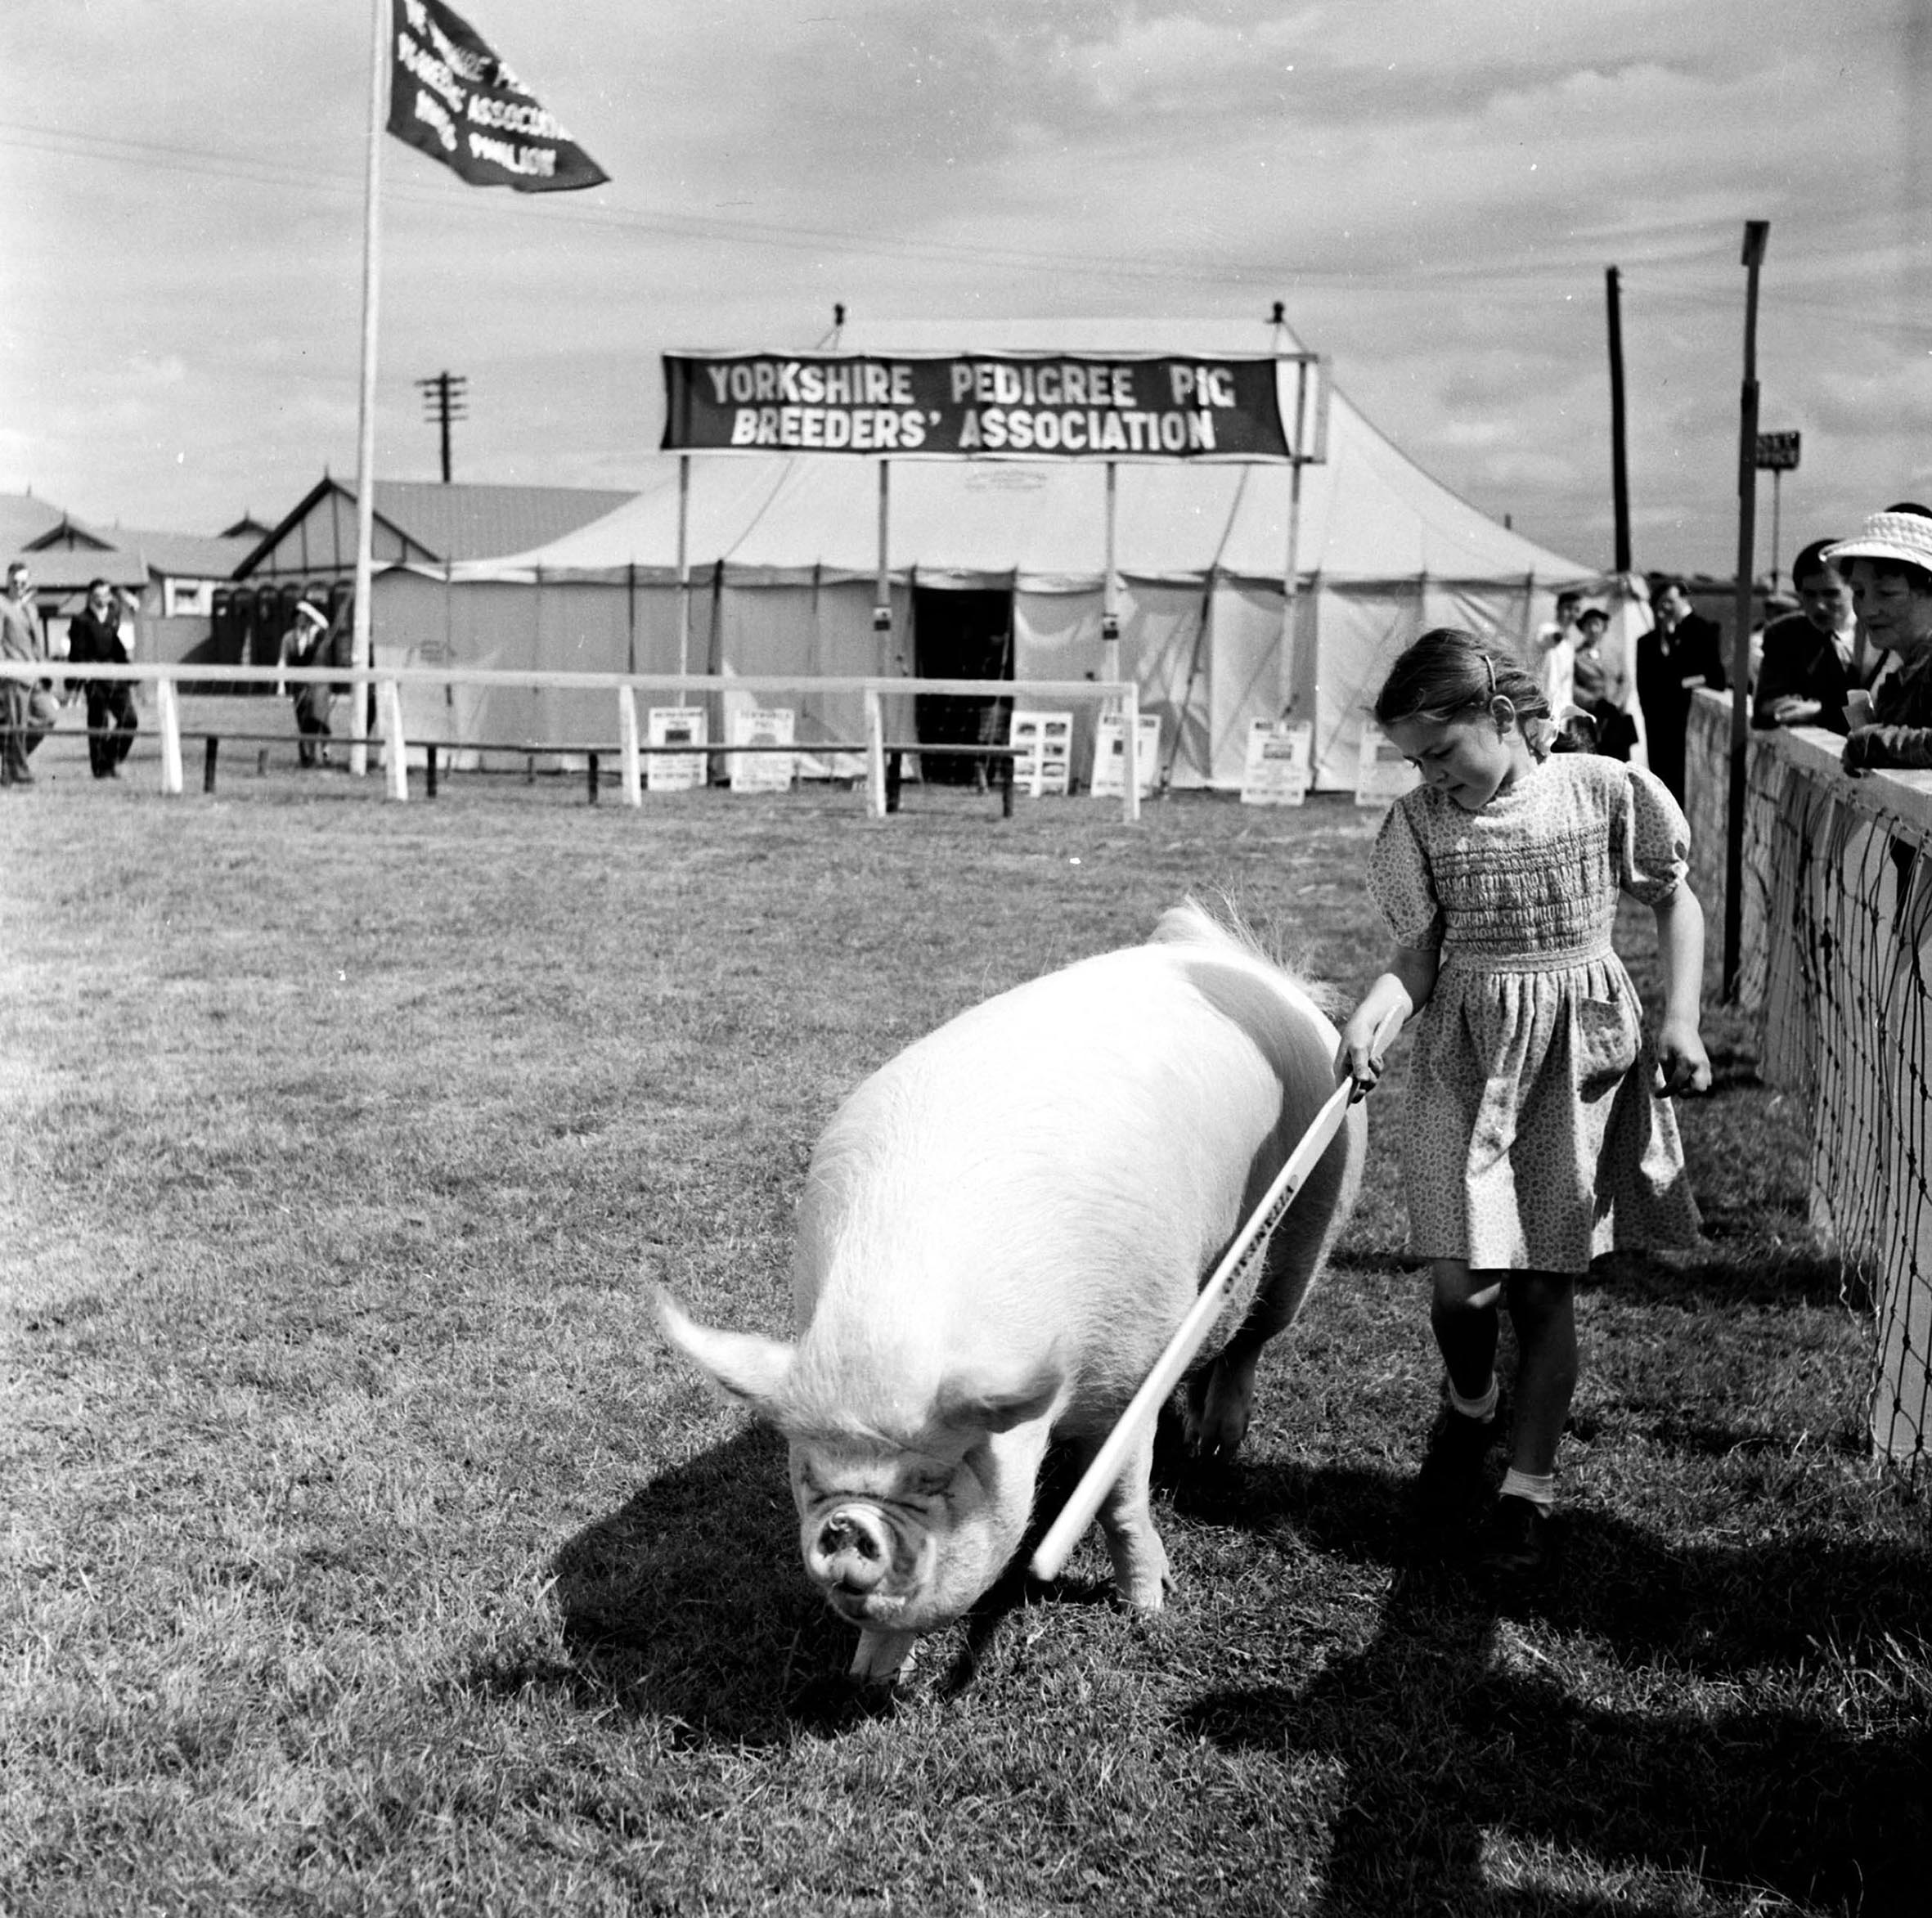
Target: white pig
x=1000 y=1230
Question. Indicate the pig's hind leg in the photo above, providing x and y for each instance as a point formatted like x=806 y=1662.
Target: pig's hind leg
x=1140 y=1574
x=1221 y=1397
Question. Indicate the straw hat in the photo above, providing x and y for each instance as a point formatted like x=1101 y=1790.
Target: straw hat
x=1903 y=538
x=308 y=609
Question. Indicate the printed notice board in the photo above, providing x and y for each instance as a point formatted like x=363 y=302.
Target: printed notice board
x=1046 y=763
x=675 y=725
x=761 y=772
x=1110 y=754
x=1279 y=756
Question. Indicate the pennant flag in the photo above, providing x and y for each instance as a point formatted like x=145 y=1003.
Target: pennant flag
x=451 y=98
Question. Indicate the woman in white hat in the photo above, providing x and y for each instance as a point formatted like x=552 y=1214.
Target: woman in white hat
x=303 y=644
x=1888 y=567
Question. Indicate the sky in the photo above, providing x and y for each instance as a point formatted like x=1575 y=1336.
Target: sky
x=1434 y=191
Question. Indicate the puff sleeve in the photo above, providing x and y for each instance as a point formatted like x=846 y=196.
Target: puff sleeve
x=1399 y=878
x=1656 y=841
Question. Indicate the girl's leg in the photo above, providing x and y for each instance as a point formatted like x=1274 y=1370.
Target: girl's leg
x=1543 y=1313
x=1464 y=1315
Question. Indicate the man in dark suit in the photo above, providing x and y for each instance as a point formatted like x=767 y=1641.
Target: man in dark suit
x=1684 y=651
x=95 y=638
x=1811 y=658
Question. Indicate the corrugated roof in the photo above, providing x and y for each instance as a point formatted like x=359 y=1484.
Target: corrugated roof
x=477 y=522
x=24 y=519
x=187 y=555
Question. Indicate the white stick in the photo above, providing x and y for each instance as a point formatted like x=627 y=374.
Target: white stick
x=1064 y=1534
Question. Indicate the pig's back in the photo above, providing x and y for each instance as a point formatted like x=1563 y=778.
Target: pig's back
x=1059 y=1164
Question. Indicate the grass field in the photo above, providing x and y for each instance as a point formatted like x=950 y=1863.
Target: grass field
x=365 y=1553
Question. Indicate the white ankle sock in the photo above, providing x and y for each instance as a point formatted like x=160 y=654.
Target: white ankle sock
x=1539 y=1490
x=1482 y=1409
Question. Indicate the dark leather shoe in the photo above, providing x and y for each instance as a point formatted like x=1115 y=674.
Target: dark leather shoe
x=1516 y=1541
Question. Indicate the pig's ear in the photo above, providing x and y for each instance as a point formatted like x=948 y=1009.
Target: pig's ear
x=742 y=1364
x=997 y=1402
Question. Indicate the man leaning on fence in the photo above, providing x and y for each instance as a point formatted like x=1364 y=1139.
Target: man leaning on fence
x=1888 y=567
x=26 y=708
x=96 y=637
x=1813 y=662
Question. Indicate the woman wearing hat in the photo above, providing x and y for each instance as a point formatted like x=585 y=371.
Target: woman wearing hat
x=1888 y=567
x=303 y=644
x=1599 y=686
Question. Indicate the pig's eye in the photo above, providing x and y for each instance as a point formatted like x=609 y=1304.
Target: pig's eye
x=931 y=1484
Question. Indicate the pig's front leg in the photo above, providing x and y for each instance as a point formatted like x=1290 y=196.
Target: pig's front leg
x=1140 y=1573
x=882 y=1656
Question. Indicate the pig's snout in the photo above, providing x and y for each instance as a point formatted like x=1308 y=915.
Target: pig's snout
x=851 y=1552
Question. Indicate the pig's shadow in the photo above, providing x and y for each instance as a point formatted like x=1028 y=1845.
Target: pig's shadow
x=688 y=1605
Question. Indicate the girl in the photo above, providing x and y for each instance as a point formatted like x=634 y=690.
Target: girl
x=1535 y=1136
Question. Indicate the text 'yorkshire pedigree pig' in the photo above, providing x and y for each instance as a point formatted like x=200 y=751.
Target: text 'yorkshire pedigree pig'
x=1000 y=1231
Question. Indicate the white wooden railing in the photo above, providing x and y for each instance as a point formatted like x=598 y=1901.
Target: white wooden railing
x=169 y=681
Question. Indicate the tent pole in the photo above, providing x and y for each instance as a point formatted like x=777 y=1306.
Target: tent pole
x=361 y=648
x=1286 y=679
x=683 y=570
x=1110 y=613
x=881 y=606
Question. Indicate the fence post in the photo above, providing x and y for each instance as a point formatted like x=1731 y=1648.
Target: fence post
x=1130 y=753
x=631 y=760
x=875 y=754
x=395 y=750
x=169 y=709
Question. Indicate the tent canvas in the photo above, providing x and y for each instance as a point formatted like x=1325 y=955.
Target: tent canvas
x=783 y=555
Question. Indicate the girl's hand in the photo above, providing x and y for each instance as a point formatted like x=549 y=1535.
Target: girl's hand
x=1364 y=1039
x=1681 y=1059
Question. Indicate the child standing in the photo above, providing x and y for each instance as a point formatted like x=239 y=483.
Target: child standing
x=1536 y=1136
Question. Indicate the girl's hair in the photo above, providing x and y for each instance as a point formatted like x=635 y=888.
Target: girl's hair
x=1448 y=674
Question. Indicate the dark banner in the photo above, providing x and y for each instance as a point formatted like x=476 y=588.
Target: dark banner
x=1015 y=405
x=451 y=98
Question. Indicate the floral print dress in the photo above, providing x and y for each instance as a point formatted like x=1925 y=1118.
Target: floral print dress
x=1534 y=1138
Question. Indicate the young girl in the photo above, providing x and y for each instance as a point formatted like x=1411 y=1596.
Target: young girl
x=1536 y=1136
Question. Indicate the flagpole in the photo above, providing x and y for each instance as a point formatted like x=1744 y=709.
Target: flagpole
x=362 y=647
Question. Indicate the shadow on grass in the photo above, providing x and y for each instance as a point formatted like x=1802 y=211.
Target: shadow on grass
x=1444 y=1745
x=688 y=1604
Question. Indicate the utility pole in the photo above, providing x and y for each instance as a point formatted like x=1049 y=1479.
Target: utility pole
x=443 y=400
x=1756 y=233
x=1620 y=477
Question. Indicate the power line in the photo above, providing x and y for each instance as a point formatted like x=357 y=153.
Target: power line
x=1579 y=267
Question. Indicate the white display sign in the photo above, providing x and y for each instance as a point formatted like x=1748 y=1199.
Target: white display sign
x=1046 y=764
x=675 y=725
x=1280 y=756
x=1110 y=754
x=761 y=772
x=1382 y=775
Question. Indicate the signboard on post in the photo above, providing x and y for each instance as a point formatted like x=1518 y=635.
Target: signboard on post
x=1280 y=755
x=1163 y=407
x=1110 y=755
x=675 y=725
x=1382 y=775
x=1778 y=452
x=761 y=772
x=1048 y=760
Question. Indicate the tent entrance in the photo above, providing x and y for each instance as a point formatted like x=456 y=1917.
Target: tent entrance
x=960 y=635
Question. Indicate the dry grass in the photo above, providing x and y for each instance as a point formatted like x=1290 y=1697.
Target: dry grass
x=364 y=1553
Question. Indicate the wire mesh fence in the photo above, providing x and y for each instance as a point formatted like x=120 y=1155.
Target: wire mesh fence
x=1835 y=960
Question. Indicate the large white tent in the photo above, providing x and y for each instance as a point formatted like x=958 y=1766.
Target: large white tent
x=783 y=555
